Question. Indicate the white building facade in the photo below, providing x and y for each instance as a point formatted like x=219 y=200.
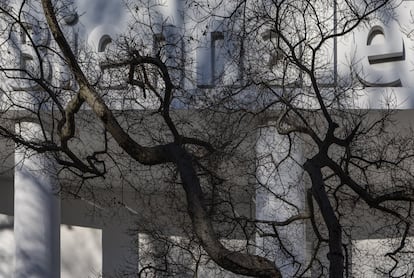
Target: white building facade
x=59 y=225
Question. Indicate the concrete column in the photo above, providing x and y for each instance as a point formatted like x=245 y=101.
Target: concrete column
x=36 y=211
x=279 y=196
x=119 y=251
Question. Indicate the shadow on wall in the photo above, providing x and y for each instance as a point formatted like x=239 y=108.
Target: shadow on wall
x=81 y=250
x=6 y=246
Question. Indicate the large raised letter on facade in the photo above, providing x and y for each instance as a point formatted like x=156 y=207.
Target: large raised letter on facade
x=377 y=56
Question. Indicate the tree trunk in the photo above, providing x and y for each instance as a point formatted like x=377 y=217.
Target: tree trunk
x=335 y=255
x=237 y=262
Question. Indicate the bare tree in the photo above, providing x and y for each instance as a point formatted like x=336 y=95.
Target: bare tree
x=269 y=75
